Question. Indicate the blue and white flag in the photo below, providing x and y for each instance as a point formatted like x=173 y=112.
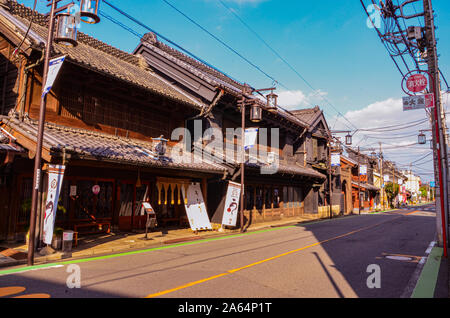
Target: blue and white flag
x=53 y=70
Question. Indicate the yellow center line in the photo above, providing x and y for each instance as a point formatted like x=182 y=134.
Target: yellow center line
x=412 y=212
x=168 y=291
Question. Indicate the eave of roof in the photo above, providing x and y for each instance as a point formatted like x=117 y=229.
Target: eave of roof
x=85 y=144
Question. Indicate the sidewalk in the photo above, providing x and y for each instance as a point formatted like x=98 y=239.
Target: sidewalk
x=96 y=245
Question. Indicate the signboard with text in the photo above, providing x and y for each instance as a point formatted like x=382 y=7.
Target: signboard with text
x=418 y=102
x=416 y=83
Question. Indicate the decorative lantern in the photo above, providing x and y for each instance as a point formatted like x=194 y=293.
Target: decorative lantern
x=348 y=140
x=422 y=139
x=272 y=102
x=89 y=11
x=66 y=30
x=255 y=112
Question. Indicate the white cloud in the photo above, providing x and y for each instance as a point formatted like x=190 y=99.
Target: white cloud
x=297 y=99
x=385 y=113
x=291 y=99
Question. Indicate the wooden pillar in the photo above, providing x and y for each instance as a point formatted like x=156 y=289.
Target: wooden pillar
x=205 y=190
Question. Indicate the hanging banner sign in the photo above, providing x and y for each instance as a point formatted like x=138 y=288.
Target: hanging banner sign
x=251 y=135
x=418 y=102
x=195 y=208
x=55 y=179
x=53 y=70
x=363 y=170
x=386 y=178
x=231 y=208
x=335 y=159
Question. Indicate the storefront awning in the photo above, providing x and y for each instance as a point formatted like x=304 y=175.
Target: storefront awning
x=366 y=186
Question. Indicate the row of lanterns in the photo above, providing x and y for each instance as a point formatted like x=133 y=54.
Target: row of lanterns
x=256 y=110
x=272 y=99
x=66 y=27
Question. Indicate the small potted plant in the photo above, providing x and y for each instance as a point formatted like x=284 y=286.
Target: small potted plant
x=57 y=238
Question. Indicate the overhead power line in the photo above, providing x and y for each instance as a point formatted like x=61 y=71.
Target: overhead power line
x=251 y=63
x=160 y=36
x=225 y=44
x=281 y=58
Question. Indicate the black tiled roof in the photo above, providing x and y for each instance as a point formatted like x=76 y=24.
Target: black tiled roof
x=99 y=56
x=98 y=146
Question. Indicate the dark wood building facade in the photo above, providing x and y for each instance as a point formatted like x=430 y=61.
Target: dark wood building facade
x=102 y=114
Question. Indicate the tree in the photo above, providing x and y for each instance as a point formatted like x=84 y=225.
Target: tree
x=424 y=191
x=391 y=192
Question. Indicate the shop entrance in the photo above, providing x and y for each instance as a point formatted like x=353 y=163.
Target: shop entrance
x=130 y=199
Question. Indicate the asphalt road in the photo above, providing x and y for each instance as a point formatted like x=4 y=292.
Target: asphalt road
x=364 y=256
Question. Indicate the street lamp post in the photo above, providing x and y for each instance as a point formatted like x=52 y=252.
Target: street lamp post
x=38 y=156
x=255 y=116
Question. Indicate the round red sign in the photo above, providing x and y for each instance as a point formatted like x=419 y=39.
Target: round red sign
x=416 y=83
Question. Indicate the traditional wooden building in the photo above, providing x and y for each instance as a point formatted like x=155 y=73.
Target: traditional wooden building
x=363 y=183
x=103 y=117
x=102 y=114
x=347 y=167
x=292 y=190
x=316 y=155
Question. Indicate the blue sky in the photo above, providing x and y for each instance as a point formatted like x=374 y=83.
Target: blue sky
x=326 y=41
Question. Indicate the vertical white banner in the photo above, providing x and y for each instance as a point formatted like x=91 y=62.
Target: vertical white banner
x=251 y=135
x=231 y=208
x=55 y=179
x=363 y=170
x=335 y=159
x=53 y=70
x=195 y=208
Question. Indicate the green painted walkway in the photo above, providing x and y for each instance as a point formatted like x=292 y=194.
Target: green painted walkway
x=426 y=284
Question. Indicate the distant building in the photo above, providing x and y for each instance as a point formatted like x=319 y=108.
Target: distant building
x=413 y=184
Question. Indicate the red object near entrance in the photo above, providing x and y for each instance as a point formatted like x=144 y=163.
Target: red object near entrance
x=417 y=83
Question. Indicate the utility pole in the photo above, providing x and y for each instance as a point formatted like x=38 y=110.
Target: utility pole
x=393 y=181
x=330 y=191
x=242 y=165
x=441 y=162
x=382 y=178
x=359 y=186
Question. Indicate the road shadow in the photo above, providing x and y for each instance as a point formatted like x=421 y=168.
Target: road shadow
x=21 y=286
x=353 y=244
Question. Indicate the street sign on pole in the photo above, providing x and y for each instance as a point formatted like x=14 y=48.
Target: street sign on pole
x=418 y=102
x=416 y=83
